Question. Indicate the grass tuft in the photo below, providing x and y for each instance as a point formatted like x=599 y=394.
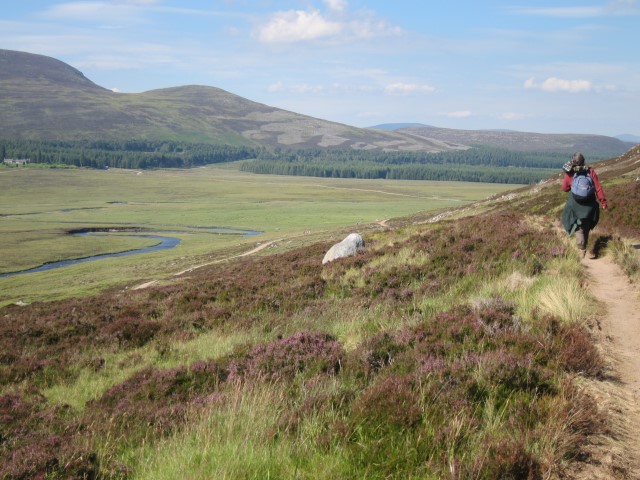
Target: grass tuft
x=567 y=299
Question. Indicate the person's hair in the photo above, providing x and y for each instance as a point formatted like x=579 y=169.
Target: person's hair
x=577 y=159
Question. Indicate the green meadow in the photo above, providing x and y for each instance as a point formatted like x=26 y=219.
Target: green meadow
x=39 y=207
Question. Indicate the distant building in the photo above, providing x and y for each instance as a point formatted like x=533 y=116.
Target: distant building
x=18 y=161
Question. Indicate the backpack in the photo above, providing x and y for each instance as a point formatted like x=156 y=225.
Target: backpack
x=582 y=187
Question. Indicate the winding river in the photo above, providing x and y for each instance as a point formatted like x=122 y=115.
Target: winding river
x=164 y=243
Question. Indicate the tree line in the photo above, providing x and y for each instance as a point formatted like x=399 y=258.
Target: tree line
x=481 y=155
x=132 y=154
x=478 y=164
x=370 y=170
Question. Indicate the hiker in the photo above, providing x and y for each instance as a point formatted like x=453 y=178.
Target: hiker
x=582 y=210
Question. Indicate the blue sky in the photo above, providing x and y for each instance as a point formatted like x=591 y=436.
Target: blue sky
x=550 y=67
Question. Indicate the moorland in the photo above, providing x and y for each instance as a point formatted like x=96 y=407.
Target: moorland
x=456 y=345
x=463 y=342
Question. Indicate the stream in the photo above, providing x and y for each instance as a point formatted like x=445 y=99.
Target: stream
x=164 y=243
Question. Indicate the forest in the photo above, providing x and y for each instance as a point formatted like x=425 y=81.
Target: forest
x=477 y=164
x=138 y=154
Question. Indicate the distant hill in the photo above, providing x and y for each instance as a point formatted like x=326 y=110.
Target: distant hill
x=42 y=98
x=397 y=126
x=598 y=145
x=628 y=138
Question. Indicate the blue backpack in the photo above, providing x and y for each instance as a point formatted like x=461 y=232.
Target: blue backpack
x=582 y=186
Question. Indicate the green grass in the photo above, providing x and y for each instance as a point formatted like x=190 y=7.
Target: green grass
x=39 y=206
x=626 y=253
x=227 y=441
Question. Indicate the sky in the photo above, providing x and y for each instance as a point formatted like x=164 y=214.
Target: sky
x=551 y=67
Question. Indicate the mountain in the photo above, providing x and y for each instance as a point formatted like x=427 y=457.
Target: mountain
x=42 y=98
x=628 y=138
x=599 y=145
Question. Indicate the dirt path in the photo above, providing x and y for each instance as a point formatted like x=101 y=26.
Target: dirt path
x=620 y=339
x=262 y=246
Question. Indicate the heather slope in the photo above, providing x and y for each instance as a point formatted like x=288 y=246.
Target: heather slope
x=456 y=345
x=364 y=363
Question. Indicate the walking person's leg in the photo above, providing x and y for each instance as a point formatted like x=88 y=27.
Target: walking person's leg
x=582 y=235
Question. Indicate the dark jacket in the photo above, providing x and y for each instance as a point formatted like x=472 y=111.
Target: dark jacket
x=575 y=212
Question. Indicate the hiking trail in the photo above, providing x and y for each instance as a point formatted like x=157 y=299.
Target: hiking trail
x=619 y=393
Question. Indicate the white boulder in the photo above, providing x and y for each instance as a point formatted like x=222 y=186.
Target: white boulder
x=351 y=245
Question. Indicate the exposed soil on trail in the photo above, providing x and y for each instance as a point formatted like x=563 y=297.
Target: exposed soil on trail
x=618 y=330
x=262 y=246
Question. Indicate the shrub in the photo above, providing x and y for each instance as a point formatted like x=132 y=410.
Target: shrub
x=133 y=332
x=577 y=353
x=310 y=353
x=375 y=353
x=506 y=459
x=37 y=441
x=393 y=403
x=622 y=215
x=154 y=401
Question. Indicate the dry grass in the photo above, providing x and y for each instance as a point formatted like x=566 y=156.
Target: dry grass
x=567 y=299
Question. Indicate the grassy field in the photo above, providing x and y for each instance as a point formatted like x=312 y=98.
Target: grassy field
x=39 y=207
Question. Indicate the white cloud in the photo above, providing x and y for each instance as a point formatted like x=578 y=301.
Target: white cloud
x=123 y=12
x=400 y=88
x=611 y=7
x=336 y=5
x=306 y=88
x=513 y=116
x=276 y=87
x=297 y=25
x=459 y=114
x=553 y=84
x=117 y=11
x=80 y=10
x=370 y=28
x=567 y=12
x=622 y=7
x=371 y=114
x=307 y=25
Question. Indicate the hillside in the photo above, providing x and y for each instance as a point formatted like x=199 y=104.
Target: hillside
x=597 y=145
x=44 y=99
x=457 y=345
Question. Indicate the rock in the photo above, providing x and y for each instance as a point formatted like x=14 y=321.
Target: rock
x=351 y=245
